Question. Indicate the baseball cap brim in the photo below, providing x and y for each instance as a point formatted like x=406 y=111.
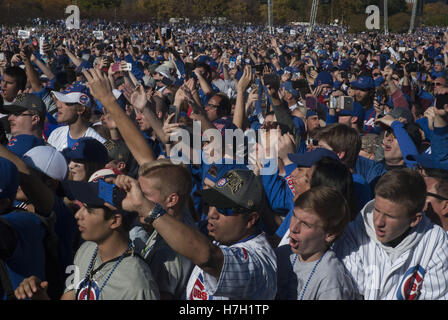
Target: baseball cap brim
x=84 y=192
x=72 y=97
x=308 y=159
x=216 y=199
x=89 y=194
x=13 y=109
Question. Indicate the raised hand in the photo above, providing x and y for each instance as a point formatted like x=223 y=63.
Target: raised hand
x=246 y=79
x=135 y=201
x=138 y=98
x=98 y=84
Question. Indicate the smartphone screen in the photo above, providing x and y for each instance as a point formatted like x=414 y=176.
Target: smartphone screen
x=311 y=103
x=441 y=101
x=347 y=103
x=115 y=67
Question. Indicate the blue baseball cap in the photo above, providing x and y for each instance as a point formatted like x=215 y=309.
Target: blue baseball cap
x=310 y=113
x=22 y=143
x=88 y=150
x=363 y=82
x=323 y=78
x=10 y=179
x=308 y=159
x=288 y=86
x=344 y=65
x=96 y=194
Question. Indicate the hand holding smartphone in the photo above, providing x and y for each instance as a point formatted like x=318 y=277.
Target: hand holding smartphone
x=110 y=193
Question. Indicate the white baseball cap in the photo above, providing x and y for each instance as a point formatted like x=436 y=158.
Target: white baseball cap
x=47 y=160
x=75 y=93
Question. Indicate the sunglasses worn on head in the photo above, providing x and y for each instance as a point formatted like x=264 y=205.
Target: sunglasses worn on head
x=437 y=196
x=389 y=133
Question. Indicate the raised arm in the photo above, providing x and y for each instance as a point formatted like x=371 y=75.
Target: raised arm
x=239 y=113
x=101 y=89
x=183 y=239
x=31 y=73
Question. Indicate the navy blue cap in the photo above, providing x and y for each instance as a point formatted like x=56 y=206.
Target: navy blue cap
x=10 y=179
x=288 y=87
x=310 y=113
x=22 y=143
x=88 y=150
x=344 y=65
x=96 y=194
x=323 y=78
x=363 y=82
x=308 y=159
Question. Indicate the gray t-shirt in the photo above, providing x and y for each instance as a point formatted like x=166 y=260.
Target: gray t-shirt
x=131 y=280
x=330 y=280
x=170 y=269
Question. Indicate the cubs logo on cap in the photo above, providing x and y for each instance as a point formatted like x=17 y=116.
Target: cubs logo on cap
x=84 y=99
x=221 y=183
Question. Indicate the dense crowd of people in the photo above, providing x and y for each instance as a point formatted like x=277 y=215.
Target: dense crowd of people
x=95 y=204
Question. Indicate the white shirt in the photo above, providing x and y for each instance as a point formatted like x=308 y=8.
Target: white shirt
x=58 y=137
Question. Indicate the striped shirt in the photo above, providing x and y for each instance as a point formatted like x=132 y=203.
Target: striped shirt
x=415 y=269
x=249 y=273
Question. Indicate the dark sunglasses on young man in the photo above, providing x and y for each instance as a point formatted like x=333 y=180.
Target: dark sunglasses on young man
x=232 y=211
x=435 y=195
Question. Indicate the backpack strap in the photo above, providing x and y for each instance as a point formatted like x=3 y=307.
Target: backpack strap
x=5 y=282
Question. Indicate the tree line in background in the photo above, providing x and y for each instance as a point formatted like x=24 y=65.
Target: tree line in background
x=350 y=13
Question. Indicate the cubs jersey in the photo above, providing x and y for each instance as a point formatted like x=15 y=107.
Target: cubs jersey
x=249 y=272
x=417 y=268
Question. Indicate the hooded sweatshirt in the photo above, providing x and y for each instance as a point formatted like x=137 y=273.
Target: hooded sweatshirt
x=417 y=268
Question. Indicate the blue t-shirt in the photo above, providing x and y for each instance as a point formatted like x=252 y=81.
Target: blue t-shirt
x=29 y=255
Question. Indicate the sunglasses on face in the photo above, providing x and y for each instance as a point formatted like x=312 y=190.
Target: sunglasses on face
x=232 y=211
x=437 y=84
x=211 y=105
x=434 y=195
x=376 y=74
